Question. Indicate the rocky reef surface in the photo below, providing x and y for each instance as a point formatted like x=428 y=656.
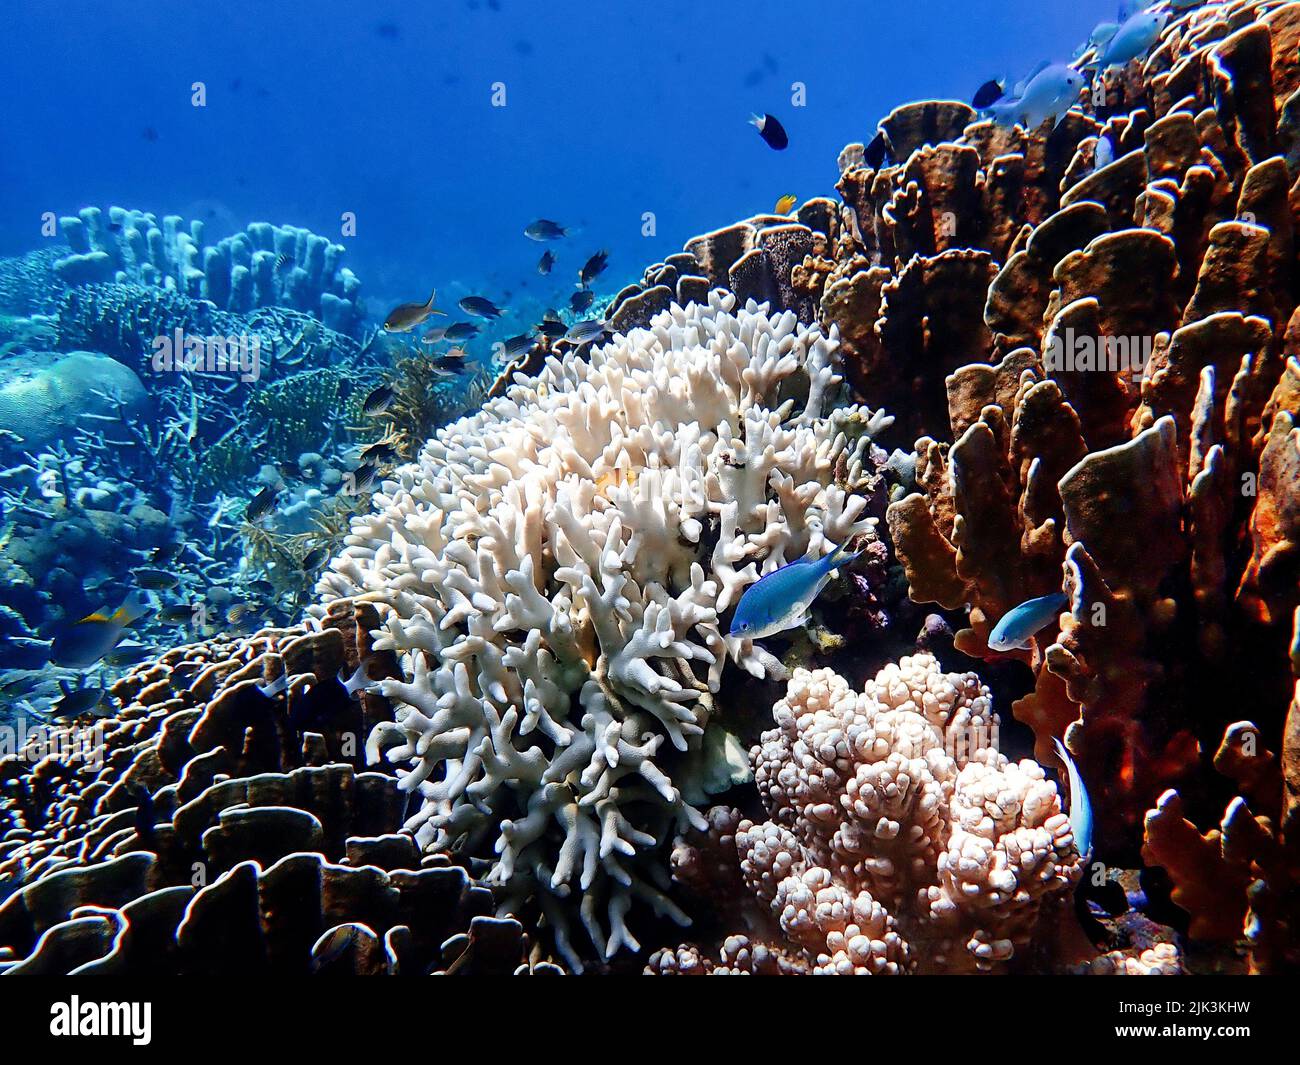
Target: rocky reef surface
x=512 y=732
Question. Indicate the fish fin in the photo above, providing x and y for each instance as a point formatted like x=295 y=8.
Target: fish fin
x=756 y=121
x=1061 y=118
x=838 y=560
x=276 y=687
x=360 y=679
x=133 y=608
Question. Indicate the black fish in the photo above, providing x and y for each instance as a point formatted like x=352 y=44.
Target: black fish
x=461 y=331
x=261 y=504
x=328 y=704
x=379 y=400
x=379 y=452
x=551 y=326
x=874 y=153
x=176 y=613
x=313 y=558
x=545 y=229
x=581 y=300
x=167 y=552
x=480 y=306
x=772 y=132
x=593 y=267
x=987 y=94
x=545 y=263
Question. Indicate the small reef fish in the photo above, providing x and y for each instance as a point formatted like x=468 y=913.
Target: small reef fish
x=772 y=132
x=176 y=613
x=581 y=300
x=238 y=612
x=480 y=307
x=545 y=263
x=988 y=94
x=364 y=477
x=382 y=451
x=581 y=332
x=329 y=703
x=1103 y=155
x=77 y=701
x=786 y=204
x=1018 y=625
x=167 y=552
x=781 y=600
x=91 y=638
x=1133 y=39
x=1050 y=94
x=461 y=331
x=406 y=316
x=593 y=268
x=1080 y=804
x=155 y=580
x=551 y=326
x=545 y=229
x=378 y=401
x=261 y=504
x=514 y=345
x=875 y=153
x=128 y=654
x=313 y=558
x=434 y=336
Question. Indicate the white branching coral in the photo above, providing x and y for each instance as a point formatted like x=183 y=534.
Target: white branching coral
x=899 y=838
x=554 y=569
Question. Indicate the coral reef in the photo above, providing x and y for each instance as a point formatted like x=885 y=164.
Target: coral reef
x=898 y=838
x=554 y=571
x=264 y=266
x=219 y=830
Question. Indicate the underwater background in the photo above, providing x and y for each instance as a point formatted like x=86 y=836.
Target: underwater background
x=681 y=489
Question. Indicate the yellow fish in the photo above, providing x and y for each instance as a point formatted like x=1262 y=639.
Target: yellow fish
x=786 y=204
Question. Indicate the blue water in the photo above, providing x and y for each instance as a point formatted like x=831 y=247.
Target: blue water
x=316 y=107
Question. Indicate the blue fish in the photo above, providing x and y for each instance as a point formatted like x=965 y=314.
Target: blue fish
x=780 y=600
x=1019 y=624
x=1133 y=39
x=1049 y=94
x=1080 y=804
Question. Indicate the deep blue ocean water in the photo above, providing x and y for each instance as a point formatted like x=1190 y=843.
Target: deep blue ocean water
x=614 y=109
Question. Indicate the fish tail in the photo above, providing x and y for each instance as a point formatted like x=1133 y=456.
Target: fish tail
x=133 y=608
x=756 y=120
x=838 y=560
x=359 y=680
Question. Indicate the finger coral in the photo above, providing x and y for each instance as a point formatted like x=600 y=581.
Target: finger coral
x=554 y=571
x=898 y=838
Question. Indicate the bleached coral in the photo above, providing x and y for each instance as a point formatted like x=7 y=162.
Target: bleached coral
x=554 y=570
x=899 y=837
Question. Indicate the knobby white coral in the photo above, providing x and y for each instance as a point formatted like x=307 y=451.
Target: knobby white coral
x=554 y=569
x=900 y=838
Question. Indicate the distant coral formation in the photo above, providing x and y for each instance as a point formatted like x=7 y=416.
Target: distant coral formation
x=264 y=266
